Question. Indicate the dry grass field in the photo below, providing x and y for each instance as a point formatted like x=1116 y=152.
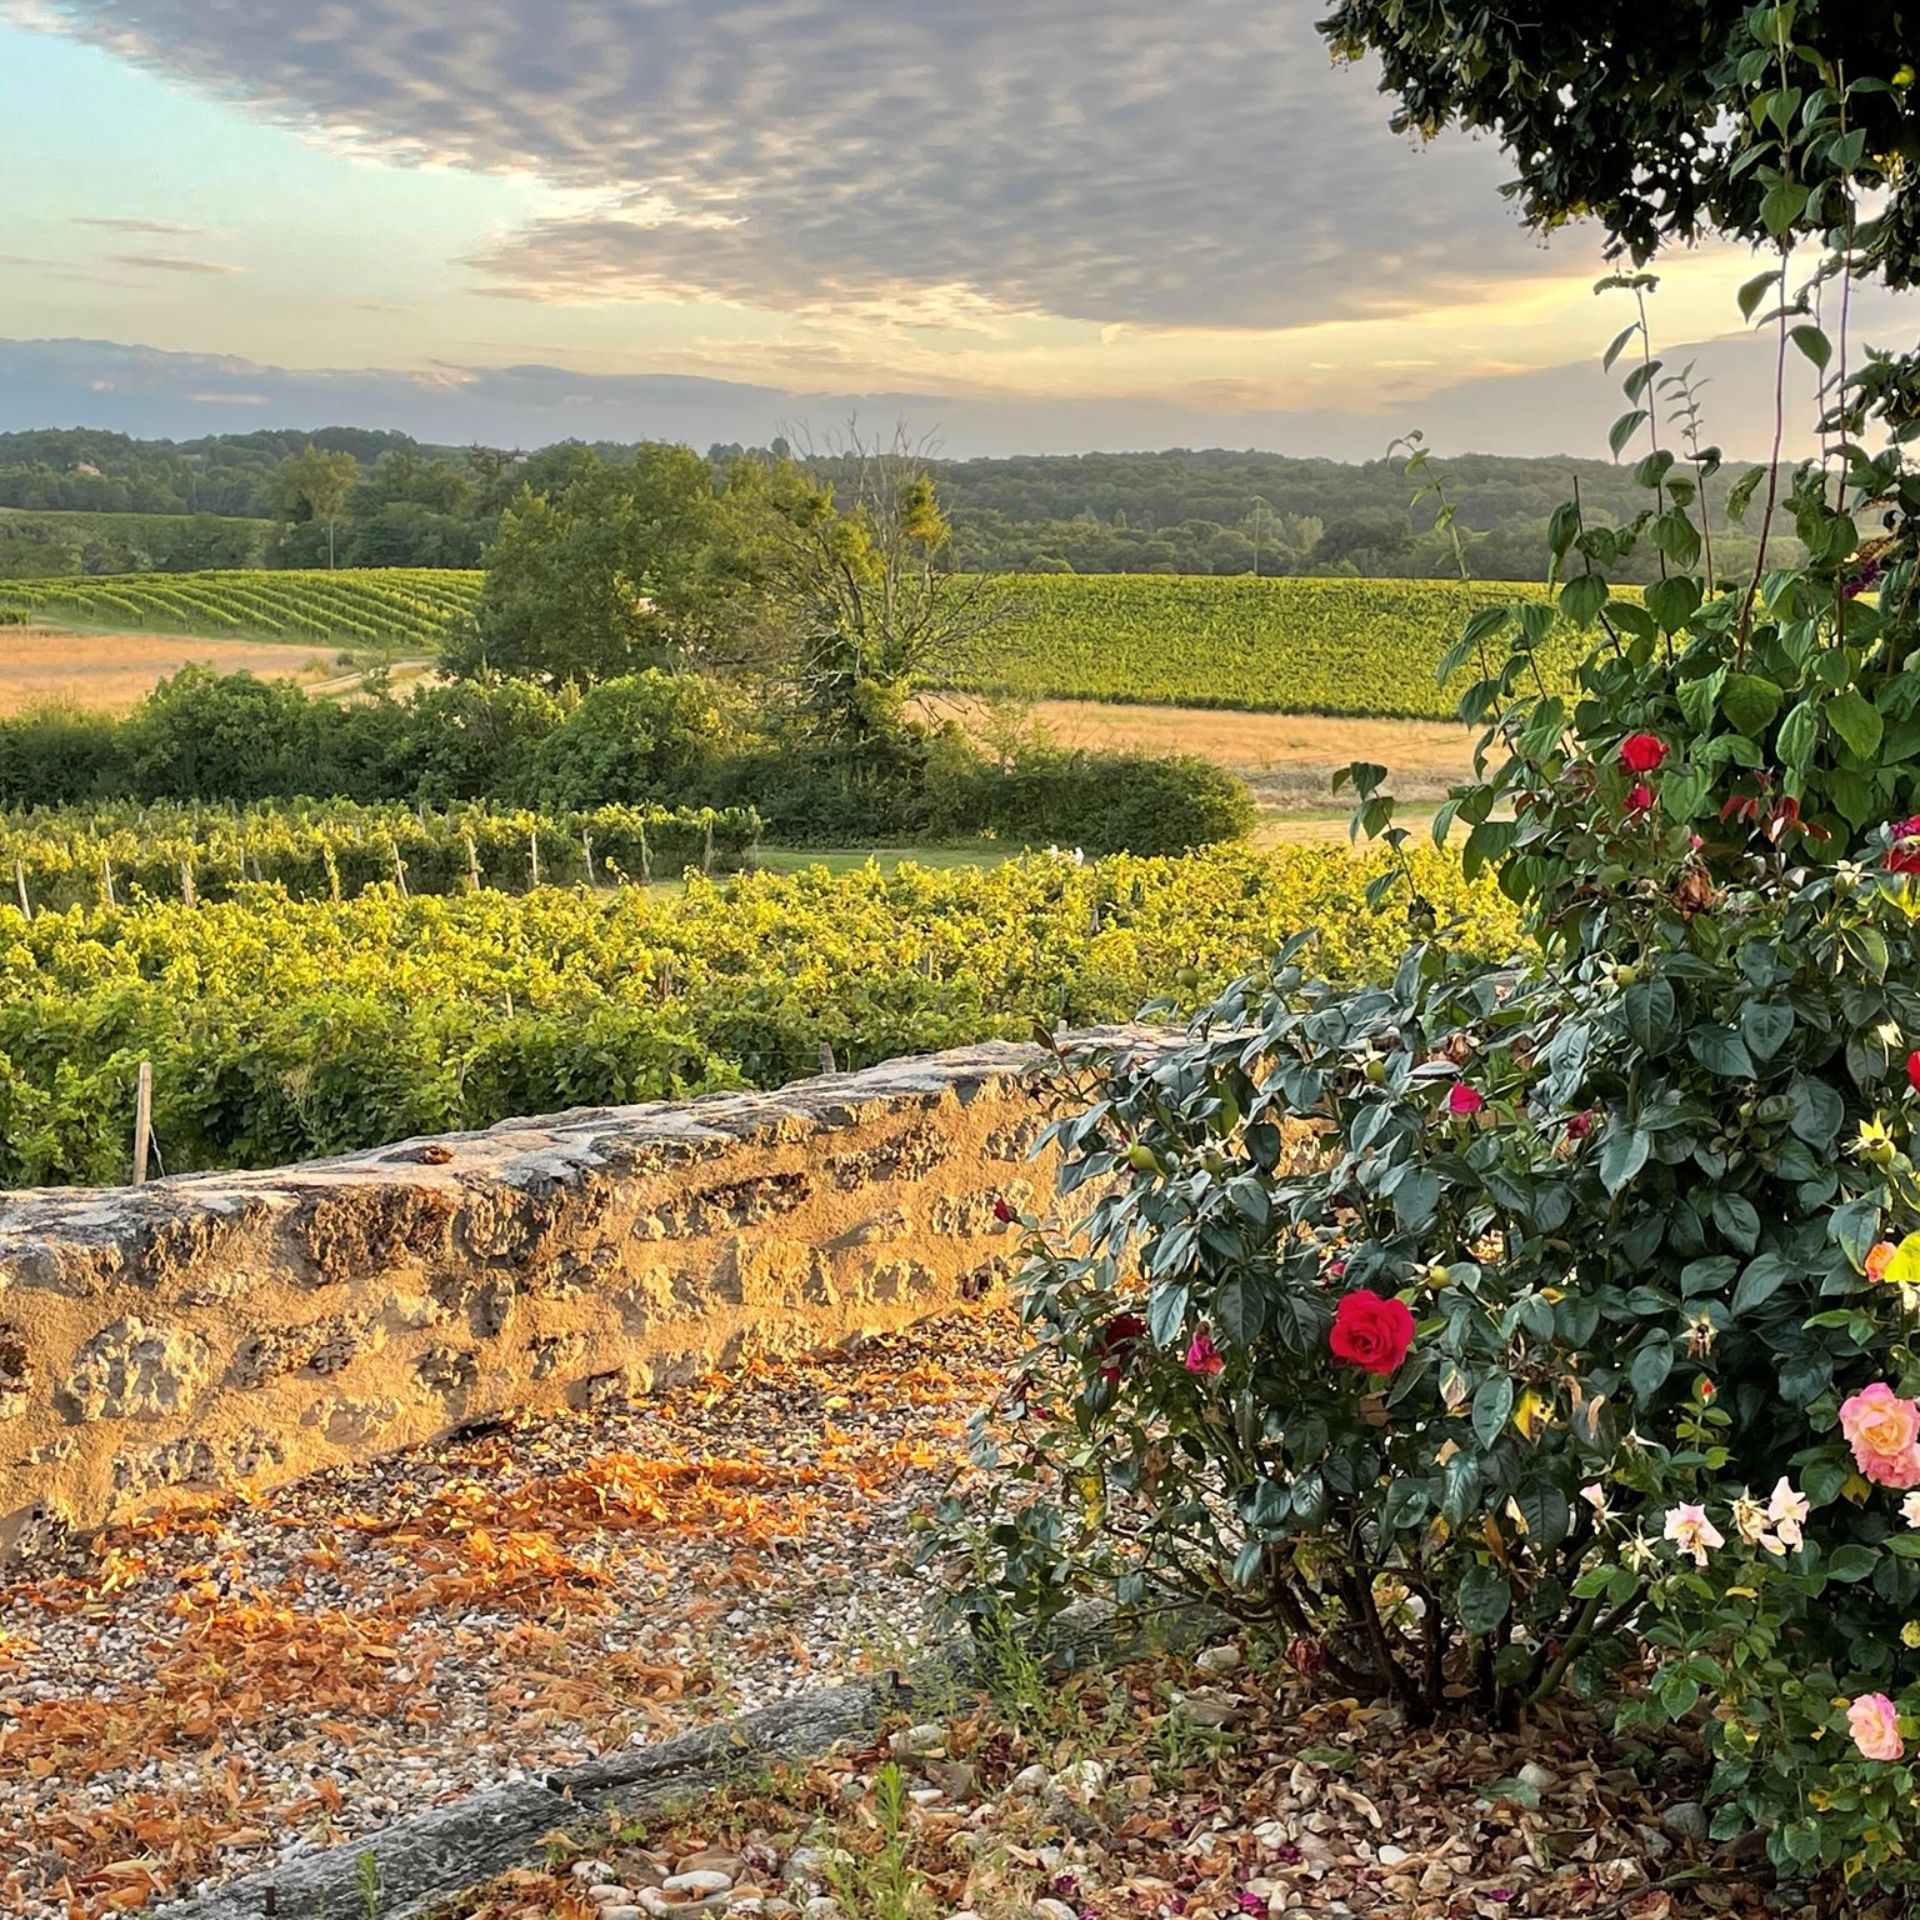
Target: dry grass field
x=112 y=671
x=1287 y=758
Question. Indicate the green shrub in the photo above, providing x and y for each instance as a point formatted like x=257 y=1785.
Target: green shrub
x=1493 y=1330
x=1111 y=802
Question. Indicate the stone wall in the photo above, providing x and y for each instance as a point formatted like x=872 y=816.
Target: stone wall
x=236 y=1330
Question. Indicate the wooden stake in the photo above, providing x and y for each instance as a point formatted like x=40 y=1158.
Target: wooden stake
x=399 y=871
x=646 y=860
x=826 y=1058
x=533 y=857
x=586 y=847
x=20 y=887
x=473 y=866
x=142 y=1122
x=706 y=858
x=106 y=880
x=187 y=894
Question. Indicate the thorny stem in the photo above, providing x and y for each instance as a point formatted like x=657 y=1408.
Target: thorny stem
x=1773 y=465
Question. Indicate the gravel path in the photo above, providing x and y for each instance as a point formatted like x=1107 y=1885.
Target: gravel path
x=187 y=1700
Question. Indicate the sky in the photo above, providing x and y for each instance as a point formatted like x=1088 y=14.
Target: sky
x=1011 y=225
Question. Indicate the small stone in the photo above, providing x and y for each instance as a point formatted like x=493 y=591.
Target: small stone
x=626 y=1913
x=697 y=1884
x=713 y=1861
x=1222 y=1659
x=1391 y=1856
x=954 y=1778
x=1084 y=1778
x=925 y=1796
x=823 y=1906
x=605 y=1893
x=1202 y=1709
x=1686 y=1821
x=593 y=1872
x=1051 y=1909
x=1540 y=1779
x=912 y=1742
x=1030 y=1780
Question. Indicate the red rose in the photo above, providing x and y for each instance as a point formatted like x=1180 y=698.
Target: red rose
x=1465 y=1101
x=1116 y=1342
x=1642 y=752
x=1203 y=1356
x=1579 y=1125
x=1904 y=855
x=1371 y=1332
x=1913 y=1071
x=1002 y=1211
x=1639 y=797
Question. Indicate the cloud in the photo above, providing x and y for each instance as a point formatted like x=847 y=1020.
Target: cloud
x=171 y=263
x=134 y=389
x=114 y=223
x=1113 y=161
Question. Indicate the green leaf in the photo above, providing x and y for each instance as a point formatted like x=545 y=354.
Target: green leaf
x=1167 y=1314
x=1648 y=1370
x=1484 y=1599
x=1651 y=1014
x=1622 y=1154
x=1782 y=205
x=1852 y=1562
x=1491 y=1406
x=1799 y=734
x=1750 y=701
x=1756 y=290
x=1814 y=344
x=1766 y=1274
x=1721 y=1051
x=1765 y=1027
x=1674 y=602
x=1857 y=721
x=1582 y=598
x=1618 y=346
x=1816 y=1111
x=1676 y=536
x=1415 y=1199
x=1625 y=428
x=1737 y=1219
x=1241 y=1309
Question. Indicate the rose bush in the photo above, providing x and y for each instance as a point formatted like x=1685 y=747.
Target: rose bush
x=1498 y=1330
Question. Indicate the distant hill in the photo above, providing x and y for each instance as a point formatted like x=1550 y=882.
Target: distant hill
x=1209 y=511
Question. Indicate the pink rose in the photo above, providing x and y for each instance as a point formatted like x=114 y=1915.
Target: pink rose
x=1904 y=854
x=1875 y=1727
x=1884 y=1432
x=1203 y=1356
x=1465 y=1101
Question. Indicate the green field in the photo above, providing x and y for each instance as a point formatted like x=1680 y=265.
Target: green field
x=1363 y=647
x=1368 y=647
x=370 y=606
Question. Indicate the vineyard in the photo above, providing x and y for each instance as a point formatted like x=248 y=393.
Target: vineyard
x=1364 y=647
x=332 y=850
x=280 y=1029
x=409 y=607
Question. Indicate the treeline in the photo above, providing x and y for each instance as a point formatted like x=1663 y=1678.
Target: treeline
x=351 y=497
x=653 y=739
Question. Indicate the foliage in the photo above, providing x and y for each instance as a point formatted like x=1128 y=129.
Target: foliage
x=639 y=563
x=1503 y=1328
x=1613 y=112
x=49 y=545
x=280 y=1029
x=1108 y=802
x=392 y=607
x=1287 y=646
x=332 y=850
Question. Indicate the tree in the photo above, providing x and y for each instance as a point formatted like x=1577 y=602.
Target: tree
x=862 y=570
x=314 y=486
x=1619 y=111
x=636 y=564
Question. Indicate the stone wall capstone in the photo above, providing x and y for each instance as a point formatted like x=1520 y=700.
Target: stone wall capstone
x=232 y=1331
